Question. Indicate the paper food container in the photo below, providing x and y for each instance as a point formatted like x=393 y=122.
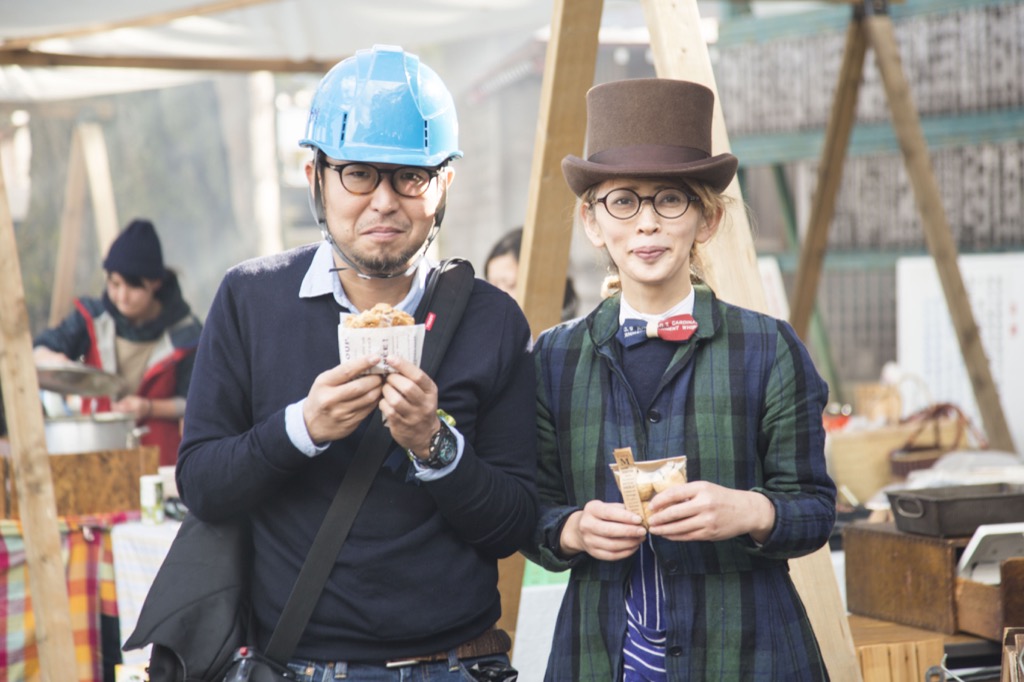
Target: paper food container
x=405 y=342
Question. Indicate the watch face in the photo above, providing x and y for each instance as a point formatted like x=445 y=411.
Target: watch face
x=443 y=448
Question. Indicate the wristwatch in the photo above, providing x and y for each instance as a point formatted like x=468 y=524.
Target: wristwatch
x=443 y=448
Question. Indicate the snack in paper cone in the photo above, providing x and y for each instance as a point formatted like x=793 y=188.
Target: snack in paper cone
x=639 y=482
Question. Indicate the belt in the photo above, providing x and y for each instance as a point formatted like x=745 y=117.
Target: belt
x=491 y=642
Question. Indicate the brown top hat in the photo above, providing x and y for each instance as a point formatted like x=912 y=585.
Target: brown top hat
x=649 y=127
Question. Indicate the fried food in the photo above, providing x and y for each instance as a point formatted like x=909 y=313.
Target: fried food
x=380 y=315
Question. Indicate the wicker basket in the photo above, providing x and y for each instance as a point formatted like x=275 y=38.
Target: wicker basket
x=928 y=442
x=861 y=460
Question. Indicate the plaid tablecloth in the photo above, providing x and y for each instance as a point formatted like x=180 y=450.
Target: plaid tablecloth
x=88 y=560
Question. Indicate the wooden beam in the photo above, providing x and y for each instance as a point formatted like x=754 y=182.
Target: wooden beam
x=48 y=59
x=729 y=260
x=561 y=128
x=547 y=229
x=731 y=267
x=938 y=235
x=87 y=161
x=971 y=129
x=70 y=237
x=817 y=334
x=36 y=502
x=157 y=19
x=101 y=186
x=830 y=173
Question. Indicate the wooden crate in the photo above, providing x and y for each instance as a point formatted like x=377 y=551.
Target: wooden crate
x=985 y=610
x=89 y=482
x=889 y=652
x=912 y=580
x=901 y=577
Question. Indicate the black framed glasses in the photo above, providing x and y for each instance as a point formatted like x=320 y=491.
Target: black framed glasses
x=624 y=203
x=364 y=178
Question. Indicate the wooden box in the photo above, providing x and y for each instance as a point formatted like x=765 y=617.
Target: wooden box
x=901 y=577
x=89 y=482
x=984 y=610
x=888 y=652
x=912 y=579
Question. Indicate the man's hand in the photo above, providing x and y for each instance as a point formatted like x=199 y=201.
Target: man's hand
x=604 y=530
x=409 y=406
x=340 y=399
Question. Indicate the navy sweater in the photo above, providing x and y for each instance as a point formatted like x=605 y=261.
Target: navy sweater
x=418 y=573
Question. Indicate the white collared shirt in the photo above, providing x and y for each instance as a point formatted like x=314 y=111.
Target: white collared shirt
x=628 y=312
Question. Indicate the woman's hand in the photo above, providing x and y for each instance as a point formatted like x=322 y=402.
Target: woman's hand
x=140 y=408
x=44 y=356
x=604 y=530
x=704 y=511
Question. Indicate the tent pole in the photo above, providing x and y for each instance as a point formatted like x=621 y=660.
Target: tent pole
x=36 y=501
x=937 y=232
x=547 y=230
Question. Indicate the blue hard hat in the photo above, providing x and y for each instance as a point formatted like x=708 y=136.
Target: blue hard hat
x=382 y=105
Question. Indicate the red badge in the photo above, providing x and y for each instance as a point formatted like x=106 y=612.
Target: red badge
x=677 y=328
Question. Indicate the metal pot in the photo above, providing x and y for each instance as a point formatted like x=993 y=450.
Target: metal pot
x=91 y=433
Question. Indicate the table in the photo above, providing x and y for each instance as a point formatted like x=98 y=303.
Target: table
x=138 y=549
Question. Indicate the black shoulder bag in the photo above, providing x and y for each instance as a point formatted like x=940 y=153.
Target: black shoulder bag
x=196 y=614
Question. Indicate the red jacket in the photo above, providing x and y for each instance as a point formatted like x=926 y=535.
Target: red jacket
x=159 y=380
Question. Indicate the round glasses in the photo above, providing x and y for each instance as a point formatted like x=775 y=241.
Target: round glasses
x=624 y=203
x=362 y=178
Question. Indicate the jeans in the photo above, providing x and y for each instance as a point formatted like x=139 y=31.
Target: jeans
x=452 y=670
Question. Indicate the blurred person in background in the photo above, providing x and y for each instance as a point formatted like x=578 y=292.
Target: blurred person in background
x=142 y=330
x=502 y=270
x=702 y=590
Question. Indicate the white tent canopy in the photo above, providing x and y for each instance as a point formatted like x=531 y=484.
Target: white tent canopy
x=168 y=38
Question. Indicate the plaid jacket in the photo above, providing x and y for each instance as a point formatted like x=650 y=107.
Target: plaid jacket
x=749 y=419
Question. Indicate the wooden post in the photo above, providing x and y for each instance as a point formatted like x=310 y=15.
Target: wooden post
x=568 y=74
x=87 y=161
x=97 y=166
x=680 y=52
x=561 y=129
x=830 y=172
x=31 y=466
x=71 y=218
x=937 y=233
x=729 y=260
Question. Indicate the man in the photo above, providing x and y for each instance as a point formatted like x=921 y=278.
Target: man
x=273 y=418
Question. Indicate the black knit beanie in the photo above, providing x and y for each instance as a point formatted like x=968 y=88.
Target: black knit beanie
x=136 y=252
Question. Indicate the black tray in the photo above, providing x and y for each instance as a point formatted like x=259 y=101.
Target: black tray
x=956 y=510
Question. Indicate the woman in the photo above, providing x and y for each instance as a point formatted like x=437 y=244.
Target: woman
x=704 y=592
x=142 y=330
x=502 y=270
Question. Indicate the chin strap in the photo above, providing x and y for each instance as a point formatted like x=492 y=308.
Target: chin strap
x=316 y=206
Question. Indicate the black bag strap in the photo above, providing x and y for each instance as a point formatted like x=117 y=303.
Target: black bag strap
x=444 y=300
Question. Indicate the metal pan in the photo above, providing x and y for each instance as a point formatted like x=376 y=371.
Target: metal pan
x=79 y=379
